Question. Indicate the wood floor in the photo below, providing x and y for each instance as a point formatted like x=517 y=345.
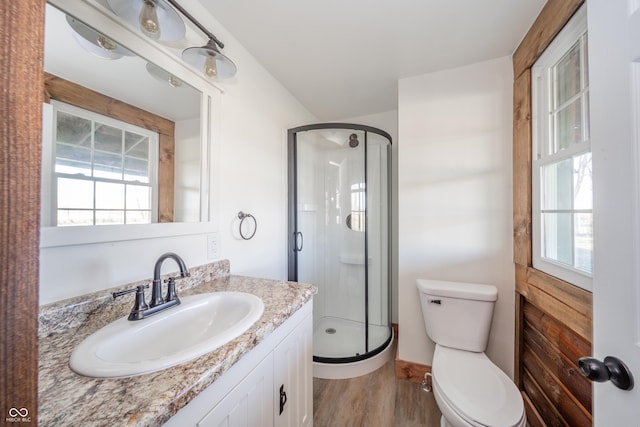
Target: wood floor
x=378 y=399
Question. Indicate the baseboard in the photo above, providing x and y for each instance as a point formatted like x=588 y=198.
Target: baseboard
x=405 y=370
x=411 y=371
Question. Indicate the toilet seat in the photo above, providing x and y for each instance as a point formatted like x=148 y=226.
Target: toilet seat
x=476 y=389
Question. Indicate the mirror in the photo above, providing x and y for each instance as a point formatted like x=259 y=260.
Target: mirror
x=100 y=147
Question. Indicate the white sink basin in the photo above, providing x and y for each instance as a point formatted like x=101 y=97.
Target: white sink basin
x=200 y=324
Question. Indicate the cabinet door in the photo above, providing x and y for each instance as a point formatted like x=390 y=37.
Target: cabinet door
x=293 y=377
x=249 y=403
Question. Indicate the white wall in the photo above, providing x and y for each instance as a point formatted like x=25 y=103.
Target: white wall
x=186 y=205
x=249 y=160
x=455 y=195
x=255 y=115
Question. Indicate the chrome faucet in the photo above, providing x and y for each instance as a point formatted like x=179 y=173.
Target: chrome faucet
x=140 y=309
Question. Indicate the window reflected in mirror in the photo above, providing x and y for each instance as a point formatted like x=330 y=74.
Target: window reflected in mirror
x=104 y=170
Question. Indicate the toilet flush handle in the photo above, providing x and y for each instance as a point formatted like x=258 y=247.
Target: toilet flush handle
x=435 y=301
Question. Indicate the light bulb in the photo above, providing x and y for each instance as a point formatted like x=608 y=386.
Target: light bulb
x=106 y=43
x=149 y=24
x=210 y=67
x=174 y=81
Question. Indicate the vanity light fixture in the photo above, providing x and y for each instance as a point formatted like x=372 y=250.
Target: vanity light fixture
x=155 y=18
x=159 y=20
x=208 y=58
x=94 y=42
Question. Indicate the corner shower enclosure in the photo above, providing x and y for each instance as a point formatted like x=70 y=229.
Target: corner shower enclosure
x=339 y=226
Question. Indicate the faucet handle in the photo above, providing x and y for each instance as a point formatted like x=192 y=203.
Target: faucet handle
x=171 y=289
x=139 y=288
x=140 y=305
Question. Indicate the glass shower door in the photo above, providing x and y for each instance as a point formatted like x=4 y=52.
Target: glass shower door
x=378 y=240
x=331 y=240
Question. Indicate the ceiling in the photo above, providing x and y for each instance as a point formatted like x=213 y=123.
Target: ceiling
x=343 y=59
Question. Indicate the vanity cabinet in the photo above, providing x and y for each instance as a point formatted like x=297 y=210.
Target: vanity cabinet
x=249 y=404
x=272 y=385
x=293 y=374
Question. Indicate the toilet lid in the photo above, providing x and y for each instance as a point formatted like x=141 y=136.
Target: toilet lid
x=476 y=388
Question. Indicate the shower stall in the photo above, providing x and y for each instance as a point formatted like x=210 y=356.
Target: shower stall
x=339 y=240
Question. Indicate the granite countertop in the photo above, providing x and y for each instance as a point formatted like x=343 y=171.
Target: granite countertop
x=66 y=398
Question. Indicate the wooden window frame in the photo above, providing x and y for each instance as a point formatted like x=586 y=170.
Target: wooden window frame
x=569 y=305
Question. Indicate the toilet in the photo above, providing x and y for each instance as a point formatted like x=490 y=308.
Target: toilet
x=470 y=389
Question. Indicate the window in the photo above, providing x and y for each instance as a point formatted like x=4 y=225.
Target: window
x=356 y=219
x=103 y=170
x=561 y=167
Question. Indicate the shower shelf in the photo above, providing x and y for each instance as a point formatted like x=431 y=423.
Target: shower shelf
x=353 y=259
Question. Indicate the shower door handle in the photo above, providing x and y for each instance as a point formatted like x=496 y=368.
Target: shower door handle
x=298 y=239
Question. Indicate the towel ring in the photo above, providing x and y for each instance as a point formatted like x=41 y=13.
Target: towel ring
x=242 y=216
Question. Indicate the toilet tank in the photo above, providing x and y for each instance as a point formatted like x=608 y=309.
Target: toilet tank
x=457 y=314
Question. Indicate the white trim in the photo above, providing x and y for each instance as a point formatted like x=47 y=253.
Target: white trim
x=567 y=37
x=635 y=146
x=48 y=197
x=51 y=237
x=564 y=272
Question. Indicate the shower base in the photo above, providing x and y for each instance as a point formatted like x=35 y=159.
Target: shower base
x=340 y=338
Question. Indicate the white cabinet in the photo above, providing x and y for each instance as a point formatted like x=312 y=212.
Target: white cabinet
x=249 y=404
x=249 y=393
x=293 y=373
